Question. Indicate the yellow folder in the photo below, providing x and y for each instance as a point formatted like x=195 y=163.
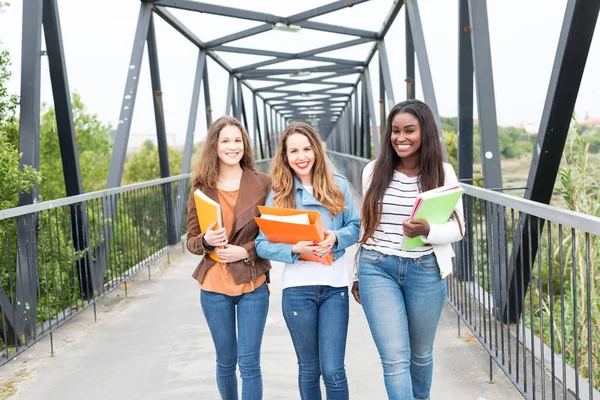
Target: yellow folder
x=208 y=211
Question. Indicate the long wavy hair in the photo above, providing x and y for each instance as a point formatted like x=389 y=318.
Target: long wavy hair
x=206 y=171
x=431 y=163
x=324 y=188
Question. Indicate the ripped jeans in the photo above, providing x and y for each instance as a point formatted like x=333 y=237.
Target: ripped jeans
x=317 y=318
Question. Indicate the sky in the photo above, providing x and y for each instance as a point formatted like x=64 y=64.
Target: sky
x=98 y=41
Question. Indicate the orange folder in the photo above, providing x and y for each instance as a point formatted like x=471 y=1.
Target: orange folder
x=290 y=233
x=208 y=211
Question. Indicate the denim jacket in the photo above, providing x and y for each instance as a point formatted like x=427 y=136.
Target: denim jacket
x=345 y=225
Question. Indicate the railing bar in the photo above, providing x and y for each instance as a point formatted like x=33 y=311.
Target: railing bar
x=574 y=246
x=8 y=269
x=68 y=263
x=46 y=205
x=562 y=311
x=13 y=282
x=531 y=312
x=506 y=290
x=514 y=232
x=541 y=311
x=551 y=305
x=523 y=218
x=502 y=291
x=588 y=290
x=77 y=260
x=59 y=253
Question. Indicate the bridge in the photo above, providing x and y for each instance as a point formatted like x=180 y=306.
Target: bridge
x=523 y=304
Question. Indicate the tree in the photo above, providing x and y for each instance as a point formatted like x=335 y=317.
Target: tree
x=144 y=165
x=93 y=144
x=13 y=180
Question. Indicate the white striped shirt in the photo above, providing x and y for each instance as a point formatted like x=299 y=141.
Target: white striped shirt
x=398 y=201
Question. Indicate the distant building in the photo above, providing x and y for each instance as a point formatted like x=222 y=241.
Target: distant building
x=591 y=122
x=530 y=127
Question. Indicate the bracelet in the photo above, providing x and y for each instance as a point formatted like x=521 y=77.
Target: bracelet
x=206 y=246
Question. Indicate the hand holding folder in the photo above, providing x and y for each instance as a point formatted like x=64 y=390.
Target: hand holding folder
x=435 y=206
x=208 y=211
x=290 y=228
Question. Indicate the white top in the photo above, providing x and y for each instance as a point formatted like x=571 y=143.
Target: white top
x=307 y=273
x=440 y=235
x=398 y=201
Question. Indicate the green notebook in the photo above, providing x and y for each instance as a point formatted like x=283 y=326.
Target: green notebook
x=435 y=206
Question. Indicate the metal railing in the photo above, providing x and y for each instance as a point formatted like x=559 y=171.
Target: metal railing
x=526 y=282
x=59 y=257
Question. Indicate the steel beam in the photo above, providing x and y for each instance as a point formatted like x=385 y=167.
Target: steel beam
x=29 y=147
x=411 y=79
x=387 y=76
x=574 y=43
x=161 y=136
x=486 y=103
x=319 y=26
x=238 y=101
x=117 y=162
x=220 y=10
x=424 y=69
x=490 y=147
x=68 y=142
x=371 y=107
x=267 y=132
x=230 y=95
x=239 y=35
x=207 y=102
x=465 y=128
x=188 y=148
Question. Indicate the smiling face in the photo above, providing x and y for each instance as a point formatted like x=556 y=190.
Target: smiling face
x=300 y=156
x=230 y=146
x=406 y=136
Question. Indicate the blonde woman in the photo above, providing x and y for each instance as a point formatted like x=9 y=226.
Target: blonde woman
x=315 y=295
x=234 y=294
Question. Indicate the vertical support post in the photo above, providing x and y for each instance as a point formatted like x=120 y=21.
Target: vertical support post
x=188 y=148
x=243 y=110
x=371 y=108
x=486 y=103
x=356 y=137
x=267 y=133
x=256 y=125
x=67 y=140
x=384 y=68
x=424 y=69
x=161 y=135
x=207 y=97
x=490 y=147
x=230 y=95
x=29 y=146
x=238 y=101
x=117 y=162
x=411 y=79
x=465 y=126
x=382 y=120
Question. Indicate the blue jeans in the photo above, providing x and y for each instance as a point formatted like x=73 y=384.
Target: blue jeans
x=402 y=299
x=317 y=318
x=220 y=313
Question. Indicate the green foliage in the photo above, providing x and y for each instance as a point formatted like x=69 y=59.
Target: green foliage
x=451 y=142
x=13 y=180
x=144 y=165
x=94 y=146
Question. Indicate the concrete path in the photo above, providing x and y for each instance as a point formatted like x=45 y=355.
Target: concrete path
x=155 y=344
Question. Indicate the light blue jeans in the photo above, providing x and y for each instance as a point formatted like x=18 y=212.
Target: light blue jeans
x=317 y=318
x=402 y=299
x=242 y=349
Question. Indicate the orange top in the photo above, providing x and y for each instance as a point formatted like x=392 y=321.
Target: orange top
x=218 y=279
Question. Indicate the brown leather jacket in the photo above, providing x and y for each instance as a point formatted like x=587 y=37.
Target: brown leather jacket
x=254 y=189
